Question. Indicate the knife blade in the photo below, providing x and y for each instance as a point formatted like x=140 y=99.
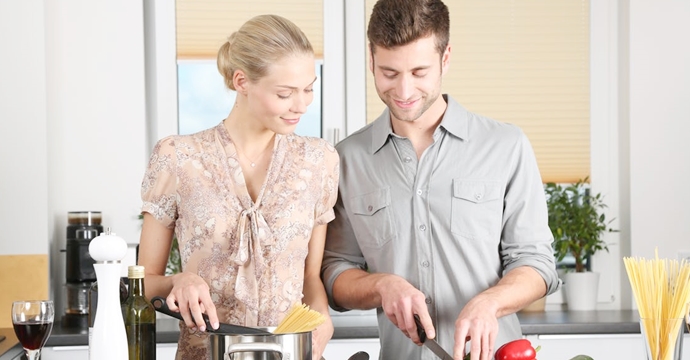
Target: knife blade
x=430 y=343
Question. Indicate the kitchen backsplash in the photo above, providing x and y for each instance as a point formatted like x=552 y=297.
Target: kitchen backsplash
x=22 y=277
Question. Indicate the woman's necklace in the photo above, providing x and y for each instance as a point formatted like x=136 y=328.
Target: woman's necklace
x=252 y=163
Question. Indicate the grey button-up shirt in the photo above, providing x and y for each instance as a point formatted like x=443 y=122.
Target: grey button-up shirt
x=451 y=222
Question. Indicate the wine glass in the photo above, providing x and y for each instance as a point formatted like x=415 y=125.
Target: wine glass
x=33 y=322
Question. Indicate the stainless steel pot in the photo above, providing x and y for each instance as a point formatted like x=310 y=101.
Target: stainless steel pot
x=234 y=342
x=295 y=346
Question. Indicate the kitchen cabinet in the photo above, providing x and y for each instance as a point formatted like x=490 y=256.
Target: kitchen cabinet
x=342 y=349
x=166 y=351
x=598 y=346
x=81 y=352
x=336 y=350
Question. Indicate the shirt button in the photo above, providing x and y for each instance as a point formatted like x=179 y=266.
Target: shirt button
x=369 y=208
x=428 y=300
x=425 y=263
x=478 y=196
x=419 y=191
x=407 y=159
x=422 y=227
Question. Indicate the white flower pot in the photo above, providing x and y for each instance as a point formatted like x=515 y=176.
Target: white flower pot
x=581 y=290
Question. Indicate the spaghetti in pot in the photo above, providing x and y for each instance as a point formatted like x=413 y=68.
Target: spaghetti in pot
x=300 y=319
x=662 y=291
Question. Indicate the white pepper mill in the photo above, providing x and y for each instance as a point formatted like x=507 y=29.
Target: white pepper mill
x=108 y=341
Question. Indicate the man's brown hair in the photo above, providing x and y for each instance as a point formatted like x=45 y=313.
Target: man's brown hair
x=399 y=22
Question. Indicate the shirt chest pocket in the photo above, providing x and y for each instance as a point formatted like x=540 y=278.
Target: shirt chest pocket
x=371 y=218
x=476 y=209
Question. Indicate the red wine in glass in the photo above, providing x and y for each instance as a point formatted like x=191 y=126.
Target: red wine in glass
x=33 y=322
x=33 y=334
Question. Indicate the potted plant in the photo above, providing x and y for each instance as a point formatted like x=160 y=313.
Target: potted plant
x=577 y=222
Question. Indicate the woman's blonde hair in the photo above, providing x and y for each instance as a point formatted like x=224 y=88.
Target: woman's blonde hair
x=260 y=42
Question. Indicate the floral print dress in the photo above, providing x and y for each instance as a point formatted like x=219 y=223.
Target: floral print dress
x=251 y=254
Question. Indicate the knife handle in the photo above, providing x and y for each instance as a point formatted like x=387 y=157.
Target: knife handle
x=420 y=329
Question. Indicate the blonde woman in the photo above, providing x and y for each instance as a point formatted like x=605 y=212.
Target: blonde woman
x=247 y=199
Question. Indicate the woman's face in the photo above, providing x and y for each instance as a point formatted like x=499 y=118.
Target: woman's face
x=280 y=98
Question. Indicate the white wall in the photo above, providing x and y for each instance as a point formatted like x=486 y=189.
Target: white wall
x=23 y=147
x=96 y=116
x=659 y=125
x=96 y=113
x=73 y=129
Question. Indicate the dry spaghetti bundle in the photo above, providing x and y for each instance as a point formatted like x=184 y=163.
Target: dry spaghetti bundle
x=662 y=292
x=300 y=319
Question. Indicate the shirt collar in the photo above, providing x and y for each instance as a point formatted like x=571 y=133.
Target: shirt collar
x=381 y=129
x=454 y=121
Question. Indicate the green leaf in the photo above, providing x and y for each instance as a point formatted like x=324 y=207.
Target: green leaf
x=577 y=221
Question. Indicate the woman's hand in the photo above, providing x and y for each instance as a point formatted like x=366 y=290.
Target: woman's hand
x=320 y=338
x=190 y=296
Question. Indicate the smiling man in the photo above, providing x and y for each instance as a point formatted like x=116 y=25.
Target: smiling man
x=441 y=212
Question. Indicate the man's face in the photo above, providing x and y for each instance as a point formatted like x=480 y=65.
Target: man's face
x=408 y=77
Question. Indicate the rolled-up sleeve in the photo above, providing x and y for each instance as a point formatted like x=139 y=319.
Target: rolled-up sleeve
x=526 y=238
x=341 y=253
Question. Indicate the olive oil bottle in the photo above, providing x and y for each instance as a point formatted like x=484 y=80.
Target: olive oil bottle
x=140 y=318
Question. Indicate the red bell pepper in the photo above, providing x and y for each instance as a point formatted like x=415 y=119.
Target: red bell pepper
x=520 y=349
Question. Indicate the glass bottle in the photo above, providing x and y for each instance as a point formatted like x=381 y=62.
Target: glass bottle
x=140 y=318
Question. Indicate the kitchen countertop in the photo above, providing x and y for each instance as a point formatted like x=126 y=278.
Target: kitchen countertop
x=580 y=322
x=9 y=348
x=360 y=326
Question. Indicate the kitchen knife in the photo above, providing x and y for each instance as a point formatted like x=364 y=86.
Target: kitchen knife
x=225 y=329
x=430 y=343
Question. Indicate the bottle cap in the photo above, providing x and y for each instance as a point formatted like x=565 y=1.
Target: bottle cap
x=135 y=272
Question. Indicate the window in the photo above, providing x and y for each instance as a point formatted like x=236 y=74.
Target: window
x=204 y=100
x=346 y=108
x=201 y=28
x=527 y=63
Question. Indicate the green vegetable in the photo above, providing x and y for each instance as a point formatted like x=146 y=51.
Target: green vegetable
x=582 y=357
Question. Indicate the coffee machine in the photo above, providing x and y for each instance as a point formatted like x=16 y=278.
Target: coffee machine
x=82 y=227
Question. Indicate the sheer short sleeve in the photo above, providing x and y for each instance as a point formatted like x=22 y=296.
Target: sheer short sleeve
x=158 y=189
x=329 y=186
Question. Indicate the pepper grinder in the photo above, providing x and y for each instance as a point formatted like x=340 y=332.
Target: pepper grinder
x=108 y=341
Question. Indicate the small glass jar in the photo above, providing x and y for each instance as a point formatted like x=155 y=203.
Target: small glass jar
x=84 y=218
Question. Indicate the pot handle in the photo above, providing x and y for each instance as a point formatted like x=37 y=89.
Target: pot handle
x=253 y=346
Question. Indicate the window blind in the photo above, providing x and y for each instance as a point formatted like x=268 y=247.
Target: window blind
x=204 y=25
x=523 y=62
